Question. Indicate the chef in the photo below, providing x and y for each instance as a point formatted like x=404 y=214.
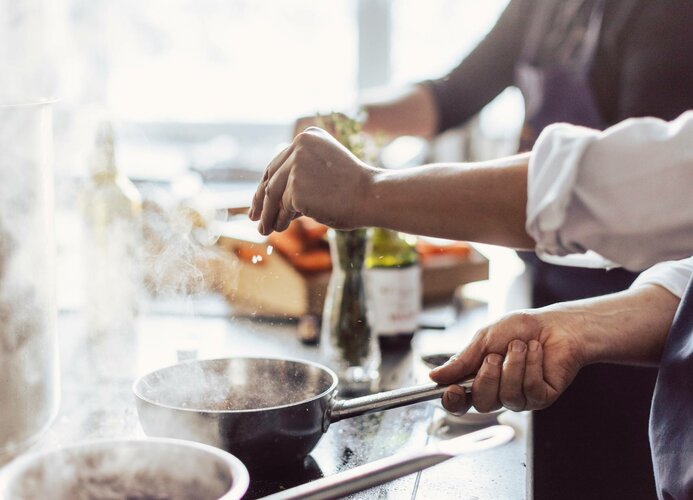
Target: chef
x=585 y=62
x=622 y=196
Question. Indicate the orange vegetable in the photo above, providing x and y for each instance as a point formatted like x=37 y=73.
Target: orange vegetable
x=312 y=229
x=303 y=244
x=313 y=261
x=288 y=243
x=428 y=250
x=248 y=254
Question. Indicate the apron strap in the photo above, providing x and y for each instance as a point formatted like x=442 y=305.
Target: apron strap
x=546 y=16
x=536 y=32
x=590 y=43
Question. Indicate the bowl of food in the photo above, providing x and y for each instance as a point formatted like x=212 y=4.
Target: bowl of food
x=132 y=469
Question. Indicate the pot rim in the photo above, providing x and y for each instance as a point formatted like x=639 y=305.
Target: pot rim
x=330 y=390
x=240 y=478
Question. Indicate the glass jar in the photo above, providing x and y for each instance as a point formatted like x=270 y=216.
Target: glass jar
x=347 y=342
x=28 y=348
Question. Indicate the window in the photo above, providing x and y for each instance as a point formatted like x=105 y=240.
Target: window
x=221 y=60
x=192 y=70
x=429 y=38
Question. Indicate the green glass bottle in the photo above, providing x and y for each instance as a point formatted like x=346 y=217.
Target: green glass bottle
x=393 y=280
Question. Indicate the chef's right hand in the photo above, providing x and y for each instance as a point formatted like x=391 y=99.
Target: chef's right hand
x=315 y=176
x=524 y=361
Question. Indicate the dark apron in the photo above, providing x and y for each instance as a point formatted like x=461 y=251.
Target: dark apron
x=671 y=421
x=562 y=92
x=592 y=443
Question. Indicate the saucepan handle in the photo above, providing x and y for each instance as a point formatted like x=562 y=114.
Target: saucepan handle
x=348 y=408
x=399 y=465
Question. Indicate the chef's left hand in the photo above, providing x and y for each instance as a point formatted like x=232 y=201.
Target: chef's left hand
x=315 y=176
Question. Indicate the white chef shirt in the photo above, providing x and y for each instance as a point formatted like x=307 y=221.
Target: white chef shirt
x=623 y=196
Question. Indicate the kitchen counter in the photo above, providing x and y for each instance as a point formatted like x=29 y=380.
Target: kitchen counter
x=102 y=406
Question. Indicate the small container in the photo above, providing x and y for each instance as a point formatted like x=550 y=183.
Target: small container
x=309 y=329
x=427 y=362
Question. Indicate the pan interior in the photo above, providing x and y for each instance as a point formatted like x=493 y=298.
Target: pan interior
x=235 y=384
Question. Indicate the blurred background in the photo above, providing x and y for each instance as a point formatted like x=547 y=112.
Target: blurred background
x=176 y=73
x=215 y=86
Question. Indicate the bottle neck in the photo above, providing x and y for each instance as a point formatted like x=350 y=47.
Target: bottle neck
x=102 y=162
x=390 y=249
x=385 y=235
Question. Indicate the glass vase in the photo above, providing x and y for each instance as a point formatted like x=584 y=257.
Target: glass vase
x=347 y=342
x=28 y=348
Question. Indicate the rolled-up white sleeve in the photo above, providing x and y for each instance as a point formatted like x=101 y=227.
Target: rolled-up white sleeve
x=625 y=194
x=674 y=276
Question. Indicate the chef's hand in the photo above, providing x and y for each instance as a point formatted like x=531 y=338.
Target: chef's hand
x=522 y=362
x=315 y=176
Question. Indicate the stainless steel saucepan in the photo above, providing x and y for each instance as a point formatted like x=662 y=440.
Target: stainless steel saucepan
x=263 y=410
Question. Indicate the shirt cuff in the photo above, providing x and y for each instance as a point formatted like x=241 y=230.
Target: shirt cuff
x=553 y=170
x=437 y=88
x=672 y=275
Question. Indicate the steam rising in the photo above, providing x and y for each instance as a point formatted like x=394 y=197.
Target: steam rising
x=178 y=233
x=26 y=60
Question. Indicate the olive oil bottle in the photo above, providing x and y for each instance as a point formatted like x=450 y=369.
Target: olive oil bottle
x=113 y=229
x=394 y=287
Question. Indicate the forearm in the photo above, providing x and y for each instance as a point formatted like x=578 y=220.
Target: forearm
x=411 y=112
x=628 y=327
x=484 y=202
x=486 y=71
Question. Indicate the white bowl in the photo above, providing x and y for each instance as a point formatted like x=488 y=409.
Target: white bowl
x=472 y=417
x=133 y=469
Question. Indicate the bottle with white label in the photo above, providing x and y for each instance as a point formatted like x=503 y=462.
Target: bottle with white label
x=394 y=288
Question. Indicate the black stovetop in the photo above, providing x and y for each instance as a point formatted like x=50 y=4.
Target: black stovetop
x=348 y=444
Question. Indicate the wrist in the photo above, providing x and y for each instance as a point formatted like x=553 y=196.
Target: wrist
x=587 y=330
x=593 y=331
x=625 y=327
x=369 y=197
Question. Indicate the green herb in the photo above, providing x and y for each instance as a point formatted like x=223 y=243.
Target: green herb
x=346 y=130
x=350 y=329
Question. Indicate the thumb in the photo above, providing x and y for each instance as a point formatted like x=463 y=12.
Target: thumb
x=460 y=365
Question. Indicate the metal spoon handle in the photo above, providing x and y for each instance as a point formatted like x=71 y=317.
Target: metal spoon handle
x=348 y=408
x=386 y=469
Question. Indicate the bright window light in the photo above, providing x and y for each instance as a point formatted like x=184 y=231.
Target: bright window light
x=239 y=60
